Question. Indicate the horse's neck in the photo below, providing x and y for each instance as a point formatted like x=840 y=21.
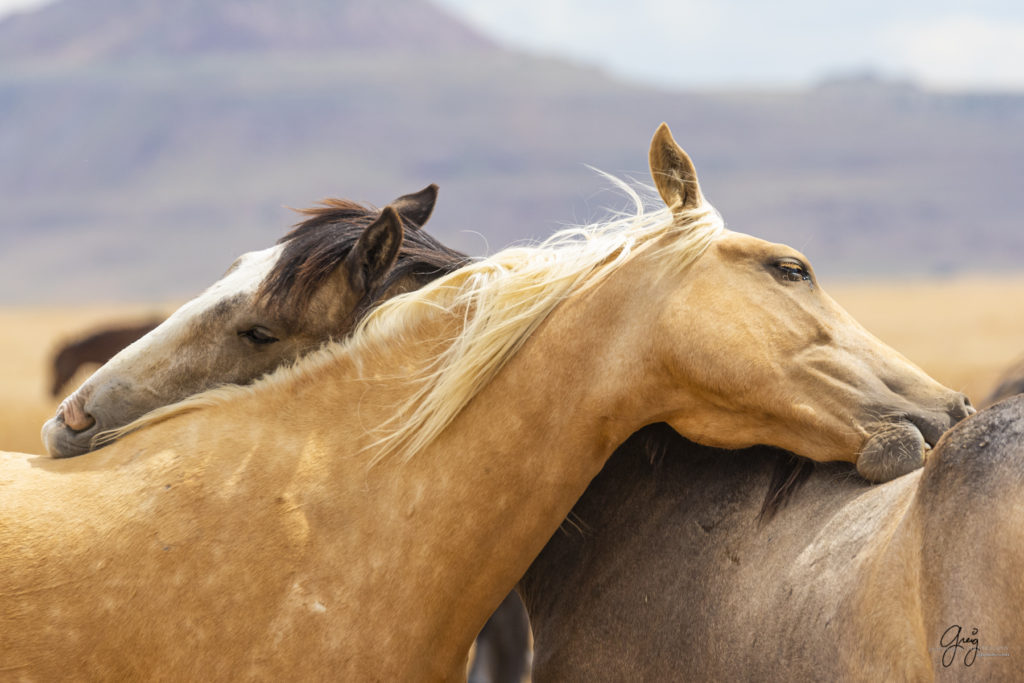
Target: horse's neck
x=655 y=483
x=406 y=557
x=495 y=484
x=459 y=521
x=680 y=483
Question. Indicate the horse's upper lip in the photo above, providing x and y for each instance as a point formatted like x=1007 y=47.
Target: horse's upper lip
x=908 y=421
x=63 y=442
x=931 y=429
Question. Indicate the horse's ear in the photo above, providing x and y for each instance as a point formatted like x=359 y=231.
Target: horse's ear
x=375 y=252
x=416 y=208
x=673 y=172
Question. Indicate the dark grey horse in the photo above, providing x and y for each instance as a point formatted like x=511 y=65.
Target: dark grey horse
x=677 y=569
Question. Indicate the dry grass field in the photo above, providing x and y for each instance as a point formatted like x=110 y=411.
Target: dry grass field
x=32 y=337
x=964 y=332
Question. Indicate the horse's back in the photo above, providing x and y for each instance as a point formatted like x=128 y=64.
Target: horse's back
x=971 y=500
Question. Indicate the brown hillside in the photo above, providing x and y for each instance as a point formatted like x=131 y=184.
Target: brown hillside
x=169 y=137
x=80 y=31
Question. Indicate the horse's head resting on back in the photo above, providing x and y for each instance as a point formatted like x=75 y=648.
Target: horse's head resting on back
x=270 y=307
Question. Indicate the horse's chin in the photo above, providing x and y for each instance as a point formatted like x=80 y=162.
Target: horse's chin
x=63 y=442
x=892 y=450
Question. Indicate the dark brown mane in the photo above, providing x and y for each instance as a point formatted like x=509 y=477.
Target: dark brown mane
x=789 y=472
x=314 y=248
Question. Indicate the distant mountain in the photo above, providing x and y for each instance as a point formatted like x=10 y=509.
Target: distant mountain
x=83 y=31
x=144 y=145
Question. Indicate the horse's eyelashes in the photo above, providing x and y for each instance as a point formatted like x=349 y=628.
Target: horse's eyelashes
x=258 y=335
x=792 y=271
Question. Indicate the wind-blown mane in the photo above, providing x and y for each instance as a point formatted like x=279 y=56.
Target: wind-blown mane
x=501 y=300
x=495 y=304
x=315 y=247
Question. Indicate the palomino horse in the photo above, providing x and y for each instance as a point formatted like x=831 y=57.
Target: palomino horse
x=332 y=239
x=676 y=575
x=363 y=511
x=97 y=347
x=269 y=308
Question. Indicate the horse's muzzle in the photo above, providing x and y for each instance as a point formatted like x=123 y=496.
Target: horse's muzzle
x=899 y=444
x=61 y=441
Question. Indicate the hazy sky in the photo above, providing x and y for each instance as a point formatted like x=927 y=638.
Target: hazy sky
x=974 y=44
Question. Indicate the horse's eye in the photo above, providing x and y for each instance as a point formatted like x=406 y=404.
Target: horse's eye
x=792 y=271
x=258 y=335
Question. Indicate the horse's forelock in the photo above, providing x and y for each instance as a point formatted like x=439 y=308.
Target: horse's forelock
x=311 y=250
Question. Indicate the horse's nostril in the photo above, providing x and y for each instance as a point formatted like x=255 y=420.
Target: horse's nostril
x=967 y=407
x=74 y=415
x=80 y=422
x=960 y=407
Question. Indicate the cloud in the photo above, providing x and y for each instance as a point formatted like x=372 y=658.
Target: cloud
x=11 y=6
x=627 y=39
x=790 y=42
x=956 y=52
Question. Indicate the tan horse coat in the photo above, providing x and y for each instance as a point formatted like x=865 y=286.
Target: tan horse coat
x=261 y=532
x=271 y=550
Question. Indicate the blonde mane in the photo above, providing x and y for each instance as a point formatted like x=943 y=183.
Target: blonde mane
x=496 y=303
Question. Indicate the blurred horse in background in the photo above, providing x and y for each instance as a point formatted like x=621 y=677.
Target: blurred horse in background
x=1010 y=383
x=94 y=348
